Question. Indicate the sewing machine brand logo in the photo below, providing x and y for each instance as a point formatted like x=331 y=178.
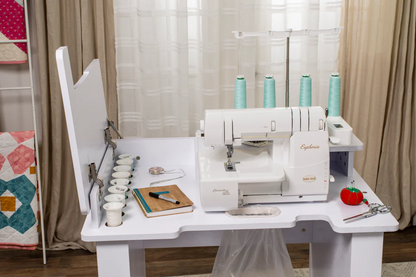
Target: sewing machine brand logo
x=309 y=178
x=224 y=191
x=310 y=146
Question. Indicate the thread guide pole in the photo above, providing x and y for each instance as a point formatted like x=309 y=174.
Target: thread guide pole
x=287 y=34
x=287 y=72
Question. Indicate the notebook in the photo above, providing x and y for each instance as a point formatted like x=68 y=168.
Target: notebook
x=153 y=207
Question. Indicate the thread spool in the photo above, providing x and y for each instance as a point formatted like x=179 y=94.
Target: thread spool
x=240 y=101
x=120 y=182
x=113 y=212
x=122 y=168
x=126 y=156
x=118 y=189
x=115 y=198
x=129 y=156
x=125 y=161
x=334 y=98
x=305 y=97
x=269 y=92
x=121 y=175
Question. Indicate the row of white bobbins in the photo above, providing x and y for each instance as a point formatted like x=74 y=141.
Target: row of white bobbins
x=118 y=190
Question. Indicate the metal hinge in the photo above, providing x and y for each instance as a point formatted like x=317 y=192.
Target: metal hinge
x=108 y=139
x=111 y=124
x=93 y=176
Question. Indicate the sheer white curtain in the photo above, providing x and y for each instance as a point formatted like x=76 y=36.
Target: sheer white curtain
x=177 y=58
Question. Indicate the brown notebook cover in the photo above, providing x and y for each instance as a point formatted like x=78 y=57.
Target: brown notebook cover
x=153 y=207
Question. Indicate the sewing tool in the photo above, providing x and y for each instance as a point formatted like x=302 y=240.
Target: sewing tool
x=240 y=93
x=157 y=170
x=375 y=209
x=269 y=92
x=352 y=195
x=305 y=97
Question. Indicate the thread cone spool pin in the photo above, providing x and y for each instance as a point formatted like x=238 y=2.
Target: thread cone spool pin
x=305 y=97
x=269 y=92
x=240 y=99
x=339 y=130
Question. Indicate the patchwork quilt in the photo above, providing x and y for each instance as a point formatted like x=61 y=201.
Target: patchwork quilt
x=12 y=27
x=18 y=191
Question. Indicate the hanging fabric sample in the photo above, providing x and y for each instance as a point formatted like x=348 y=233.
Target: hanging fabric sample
x=12 y=27
x=18 y=191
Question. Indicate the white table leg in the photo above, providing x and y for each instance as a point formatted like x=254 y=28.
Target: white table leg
x=349 y=255
x=117 y=258
x=366 y=254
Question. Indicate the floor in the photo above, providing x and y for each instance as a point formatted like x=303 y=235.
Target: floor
x=398 y=247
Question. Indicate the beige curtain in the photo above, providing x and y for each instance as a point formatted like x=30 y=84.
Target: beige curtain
x=87 y=28
x=396 y=181
x=377 y=66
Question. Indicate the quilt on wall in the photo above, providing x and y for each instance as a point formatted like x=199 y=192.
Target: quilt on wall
x=12 y=27
x=18 y=191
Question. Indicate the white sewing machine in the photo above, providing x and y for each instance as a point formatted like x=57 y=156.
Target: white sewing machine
x=293 y=166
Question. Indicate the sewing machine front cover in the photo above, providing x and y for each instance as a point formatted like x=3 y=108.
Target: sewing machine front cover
x=86 y=118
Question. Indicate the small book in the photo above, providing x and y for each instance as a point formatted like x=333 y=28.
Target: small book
x=153 y=207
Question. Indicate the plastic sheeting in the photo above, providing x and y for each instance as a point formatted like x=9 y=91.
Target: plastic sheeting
x=260 y=253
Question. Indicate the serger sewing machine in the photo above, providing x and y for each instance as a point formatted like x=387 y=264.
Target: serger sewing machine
x=263 y=156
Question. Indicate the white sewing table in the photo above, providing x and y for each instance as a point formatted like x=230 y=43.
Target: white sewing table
x=336 y=248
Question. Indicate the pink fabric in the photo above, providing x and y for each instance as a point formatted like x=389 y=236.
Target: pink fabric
x=12 y=22
x=21 y=159
x=22 y=136
x=14 y=62
x=18 y=246
x=2 y=160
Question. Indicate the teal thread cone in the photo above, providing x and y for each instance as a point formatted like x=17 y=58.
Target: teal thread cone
x=305 y=97
x=240 y=101
x=269 y=92
x=334 y=98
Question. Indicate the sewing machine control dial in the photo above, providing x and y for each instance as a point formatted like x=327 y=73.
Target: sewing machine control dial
x=273 y=128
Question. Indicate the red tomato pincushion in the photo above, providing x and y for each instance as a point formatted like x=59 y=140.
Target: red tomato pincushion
x=352 y=196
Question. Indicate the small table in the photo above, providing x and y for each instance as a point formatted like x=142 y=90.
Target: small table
x=336 y=248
